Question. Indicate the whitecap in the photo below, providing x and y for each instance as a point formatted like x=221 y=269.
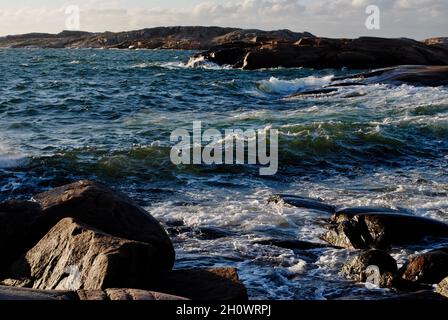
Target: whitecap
x=11 y=161
x=201 y=62
x=275 y=85
x=10 y=158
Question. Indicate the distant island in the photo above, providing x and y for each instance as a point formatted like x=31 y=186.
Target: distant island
x=183 y=38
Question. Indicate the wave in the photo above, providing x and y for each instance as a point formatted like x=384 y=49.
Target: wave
x=201 y=62
x=278 y=86
x=10 y=158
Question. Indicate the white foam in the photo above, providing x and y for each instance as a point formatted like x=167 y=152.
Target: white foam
x=275 y=85
x=10 y=158
x=201 y=62
x=298 y=268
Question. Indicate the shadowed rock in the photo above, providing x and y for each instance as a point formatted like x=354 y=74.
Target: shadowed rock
x=303 y=202
x=16 y=220
x=218 y=284
x=418 y=296
x=22 y=294
x=111 y=212
x=11 y=293
x=381 y=230
x=431 y=267
x=75 y=256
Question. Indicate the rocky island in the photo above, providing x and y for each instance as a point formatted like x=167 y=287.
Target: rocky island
x=183 y=38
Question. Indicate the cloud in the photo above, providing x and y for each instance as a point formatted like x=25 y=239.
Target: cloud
x=411 y=18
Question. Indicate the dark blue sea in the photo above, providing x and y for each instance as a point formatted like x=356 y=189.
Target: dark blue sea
x=107 y=115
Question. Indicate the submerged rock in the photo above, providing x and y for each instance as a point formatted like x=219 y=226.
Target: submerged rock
x=202 y=233
x=109 y=211
x=357 y=268
x=303 y=202
x=292 y=244
x=381 y=230
x=75 y=256
x=431 y=267
x=419 y=75
x=357 y=210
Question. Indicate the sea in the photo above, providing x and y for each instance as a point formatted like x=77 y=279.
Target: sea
x=107 y=115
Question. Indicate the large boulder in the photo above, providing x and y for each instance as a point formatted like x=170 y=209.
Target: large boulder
x=109 y=211
x=75 y=256
x=381 y=230
x=431 y=267
x=357 y=268
x=16 y=220
x=218 y=284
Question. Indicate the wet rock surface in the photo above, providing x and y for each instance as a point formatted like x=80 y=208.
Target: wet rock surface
x=303 y=202
x=381 y=230
x=419 y=75
x=431 y=267
x=366 y=264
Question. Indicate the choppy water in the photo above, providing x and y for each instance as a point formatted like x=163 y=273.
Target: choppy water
x=108 y=115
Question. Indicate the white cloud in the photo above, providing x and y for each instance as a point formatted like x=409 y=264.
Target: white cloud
x=411 y=18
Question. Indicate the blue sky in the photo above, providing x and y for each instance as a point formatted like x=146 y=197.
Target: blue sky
x=334 y=18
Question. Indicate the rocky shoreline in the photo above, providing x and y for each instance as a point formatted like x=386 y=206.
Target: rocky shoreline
x=84 y=241
x=181 y=38
x=321 y=53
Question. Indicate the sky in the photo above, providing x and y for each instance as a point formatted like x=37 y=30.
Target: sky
x=418 y=19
